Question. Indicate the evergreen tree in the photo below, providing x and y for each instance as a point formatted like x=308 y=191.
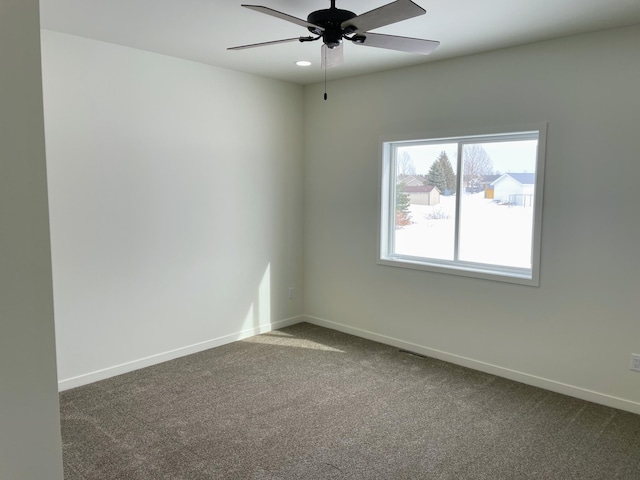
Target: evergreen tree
x=436 y=176
x=449 y=174
x=402 y=206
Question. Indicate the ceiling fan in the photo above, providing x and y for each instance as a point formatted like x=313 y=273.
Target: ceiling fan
x=332 y=25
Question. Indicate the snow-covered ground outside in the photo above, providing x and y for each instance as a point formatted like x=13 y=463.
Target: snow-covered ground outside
x=489 y=233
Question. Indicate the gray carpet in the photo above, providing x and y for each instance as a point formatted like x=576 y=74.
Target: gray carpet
x=306 y=402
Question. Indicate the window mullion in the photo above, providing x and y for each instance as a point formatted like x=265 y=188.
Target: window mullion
x=456 y=238
x=392 y=199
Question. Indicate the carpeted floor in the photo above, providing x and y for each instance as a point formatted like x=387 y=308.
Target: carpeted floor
x=306 y=402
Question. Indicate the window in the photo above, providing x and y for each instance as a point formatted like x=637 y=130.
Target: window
x=469 y=205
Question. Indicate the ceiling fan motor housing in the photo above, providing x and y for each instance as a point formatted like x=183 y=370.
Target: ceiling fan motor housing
x=331 y=20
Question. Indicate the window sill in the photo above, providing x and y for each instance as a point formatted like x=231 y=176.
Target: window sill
x=518 y=276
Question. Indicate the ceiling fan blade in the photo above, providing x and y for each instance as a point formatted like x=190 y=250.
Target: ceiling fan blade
x=392 y=42
x=385 y=15
x=263 y=44
x=332 y=57
x=283 y=16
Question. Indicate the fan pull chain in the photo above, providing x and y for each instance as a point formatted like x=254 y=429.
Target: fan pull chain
x=325 y=73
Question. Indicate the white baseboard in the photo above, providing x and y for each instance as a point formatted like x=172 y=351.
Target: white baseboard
x=577 y=392
x=85 y=379
x=558 y=387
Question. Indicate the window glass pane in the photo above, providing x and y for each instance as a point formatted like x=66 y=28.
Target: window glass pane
x=425 y=205
x=496 y=207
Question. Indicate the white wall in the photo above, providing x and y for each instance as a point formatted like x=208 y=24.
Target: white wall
x=158 y=249
x=574 y=333
x=176 y=204
x=30 y=447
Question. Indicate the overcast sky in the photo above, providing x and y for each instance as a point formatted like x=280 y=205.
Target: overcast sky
x=516 y=156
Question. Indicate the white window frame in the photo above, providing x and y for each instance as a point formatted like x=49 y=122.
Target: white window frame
x=386 y=213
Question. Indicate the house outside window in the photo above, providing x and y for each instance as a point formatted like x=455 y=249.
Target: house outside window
x=466 y=204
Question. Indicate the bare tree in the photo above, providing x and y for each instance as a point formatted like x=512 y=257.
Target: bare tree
x=476 y=163
x=405 y=164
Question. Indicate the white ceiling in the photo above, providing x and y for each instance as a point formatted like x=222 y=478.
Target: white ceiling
x=201 y=30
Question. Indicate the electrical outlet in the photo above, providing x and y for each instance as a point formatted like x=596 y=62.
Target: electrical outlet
x=292 y=293
x=635 y=362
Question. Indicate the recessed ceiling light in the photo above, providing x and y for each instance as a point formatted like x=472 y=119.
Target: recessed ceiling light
x=303 y=63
